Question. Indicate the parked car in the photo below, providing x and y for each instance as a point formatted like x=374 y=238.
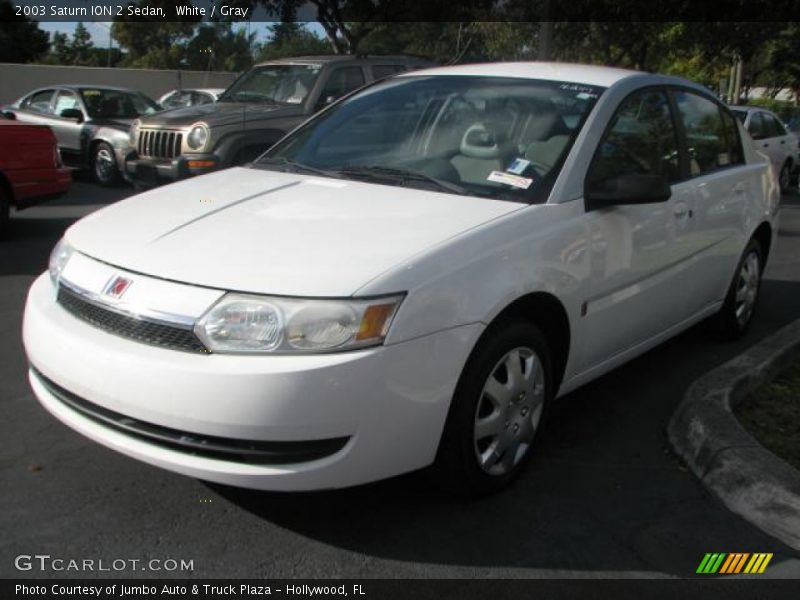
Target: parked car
x=256 y=111
x=31 y=170
x=773 y=139
x=189 y=97
x=408 y=279
x=91 y=123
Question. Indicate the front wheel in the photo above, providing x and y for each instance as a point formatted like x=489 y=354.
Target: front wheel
x=737 y=312
x=785 y=178
x=497 y=410
x=104 y=165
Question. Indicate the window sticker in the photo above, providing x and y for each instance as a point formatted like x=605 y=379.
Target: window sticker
x=518 y=166
x=509 y=179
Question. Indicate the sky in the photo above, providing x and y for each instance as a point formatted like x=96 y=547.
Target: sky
x=100 y=30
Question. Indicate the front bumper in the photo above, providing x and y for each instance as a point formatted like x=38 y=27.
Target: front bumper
x=389 y=402
x=150 y=172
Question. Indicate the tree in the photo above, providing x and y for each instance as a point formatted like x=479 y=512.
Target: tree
x=216 y=47
x=294 y=40
x=153 y=42
x=21 y=40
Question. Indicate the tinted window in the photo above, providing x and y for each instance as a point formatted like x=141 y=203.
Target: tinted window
x=119 y=104
x=706 y=140
x=343 y=81
x=773 y=126
x=65 y=101
x=641 y=139
x=381 y=71
x=732 y=138
x=39 y=102
x=757 y=127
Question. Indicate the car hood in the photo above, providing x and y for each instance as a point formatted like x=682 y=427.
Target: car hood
x=276 y=233
x=218 y=114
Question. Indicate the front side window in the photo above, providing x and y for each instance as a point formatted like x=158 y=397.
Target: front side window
x=274 y=84
x=497 y=137
x=706 y=140
x=116 y=104
x=341 y=82
x=640 y=140
x=773 y=126
x=66 y=101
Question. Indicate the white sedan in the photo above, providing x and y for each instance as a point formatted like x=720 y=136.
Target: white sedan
x=771 y=137
x=406 y=280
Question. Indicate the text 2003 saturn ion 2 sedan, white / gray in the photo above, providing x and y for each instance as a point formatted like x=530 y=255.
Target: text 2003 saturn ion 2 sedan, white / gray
x=407 y=279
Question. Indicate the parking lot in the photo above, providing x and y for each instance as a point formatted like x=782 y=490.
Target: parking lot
x=603 y=497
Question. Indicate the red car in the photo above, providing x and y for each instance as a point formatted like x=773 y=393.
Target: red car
x=30 y=167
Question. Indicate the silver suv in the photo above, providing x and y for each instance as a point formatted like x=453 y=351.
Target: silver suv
x=258 y=109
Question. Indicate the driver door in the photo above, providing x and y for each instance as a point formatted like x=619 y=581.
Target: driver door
x=637 y=273
x=67 y=130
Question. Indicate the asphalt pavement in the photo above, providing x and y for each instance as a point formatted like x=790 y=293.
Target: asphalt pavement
x=604 y=496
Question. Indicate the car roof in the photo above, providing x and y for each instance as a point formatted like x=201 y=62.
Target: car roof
x=548 y=71
x=77 y=87
x=328 y=58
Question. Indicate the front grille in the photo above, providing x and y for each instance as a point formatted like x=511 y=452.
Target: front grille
x=140 y=330
x=154 y=143
x=243 y=451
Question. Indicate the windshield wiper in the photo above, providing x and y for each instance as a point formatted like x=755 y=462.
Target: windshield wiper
x=291 y=166
x=401 y=176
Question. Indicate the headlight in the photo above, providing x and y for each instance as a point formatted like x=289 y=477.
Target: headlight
x=58 y=260
x=133 y=134
x=198 y=137
x=241 y=323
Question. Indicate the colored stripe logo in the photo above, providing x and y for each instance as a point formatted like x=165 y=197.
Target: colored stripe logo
x=734 y=563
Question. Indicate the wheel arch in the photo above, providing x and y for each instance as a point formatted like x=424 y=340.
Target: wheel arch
x=546 y=311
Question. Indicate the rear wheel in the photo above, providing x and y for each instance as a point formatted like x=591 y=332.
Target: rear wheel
x=104 y=165
x=740 y=304
x=785 y=177
x=497 y=410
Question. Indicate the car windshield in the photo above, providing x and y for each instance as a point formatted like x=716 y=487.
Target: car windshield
x=502 y=138
x=274 y=84
x=117 y=104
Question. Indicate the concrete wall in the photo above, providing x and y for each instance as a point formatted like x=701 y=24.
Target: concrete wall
x=17 y=80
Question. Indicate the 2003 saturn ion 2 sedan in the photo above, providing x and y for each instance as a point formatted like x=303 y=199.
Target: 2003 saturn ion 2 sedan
x=406 y=280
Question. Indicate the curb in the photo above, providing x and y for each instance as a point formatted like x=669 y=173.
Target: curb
x=703 y=431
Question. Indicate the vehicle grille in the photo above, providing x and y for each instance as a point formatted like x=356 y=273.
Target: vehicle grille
x=198 y=444
x=140 y=330
x=154 y=143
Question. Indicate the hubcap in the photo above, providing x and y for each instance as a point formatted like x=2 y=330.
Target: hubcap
x=747 y=288
x=104 y=164
x=509 y=410
x=784 y=178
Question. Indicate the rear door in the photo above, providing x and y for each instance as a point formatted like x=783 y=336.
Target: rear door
x=721 y=186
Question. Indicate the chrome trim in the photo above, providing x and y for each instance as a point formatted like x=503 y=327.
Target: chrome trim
x=128 y=310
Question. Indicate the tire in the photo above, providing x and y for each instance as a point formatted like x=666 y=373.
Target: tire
x=785 y=177
x=5 y=211
x=736 y=314
x=487 y=399
x=104 y=165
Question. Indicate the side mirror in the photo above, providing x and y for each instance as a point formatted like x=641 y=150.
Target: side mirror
x=628 y=188
x=72 y=113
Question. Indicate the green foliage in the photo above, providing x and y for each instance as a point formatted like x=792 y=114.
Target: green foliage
x=217 y=47
x=291 y=39
x=784 y=109
x=21 y=40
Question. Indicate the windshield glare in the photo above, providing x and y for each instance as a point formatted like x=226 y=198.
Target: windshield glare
x=277 y=84
x=119 y=104
x=489 y=136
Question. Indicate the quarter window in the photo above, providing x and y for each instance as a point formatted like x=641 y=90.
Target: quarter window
x=706 y=139
x=641 y=140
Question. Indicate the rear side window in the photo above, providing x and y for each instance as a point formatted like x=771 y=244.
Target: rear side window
x=706 y=139
x=641 y=139
x=39 y=102
x=773 y=126
x=381 y=71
